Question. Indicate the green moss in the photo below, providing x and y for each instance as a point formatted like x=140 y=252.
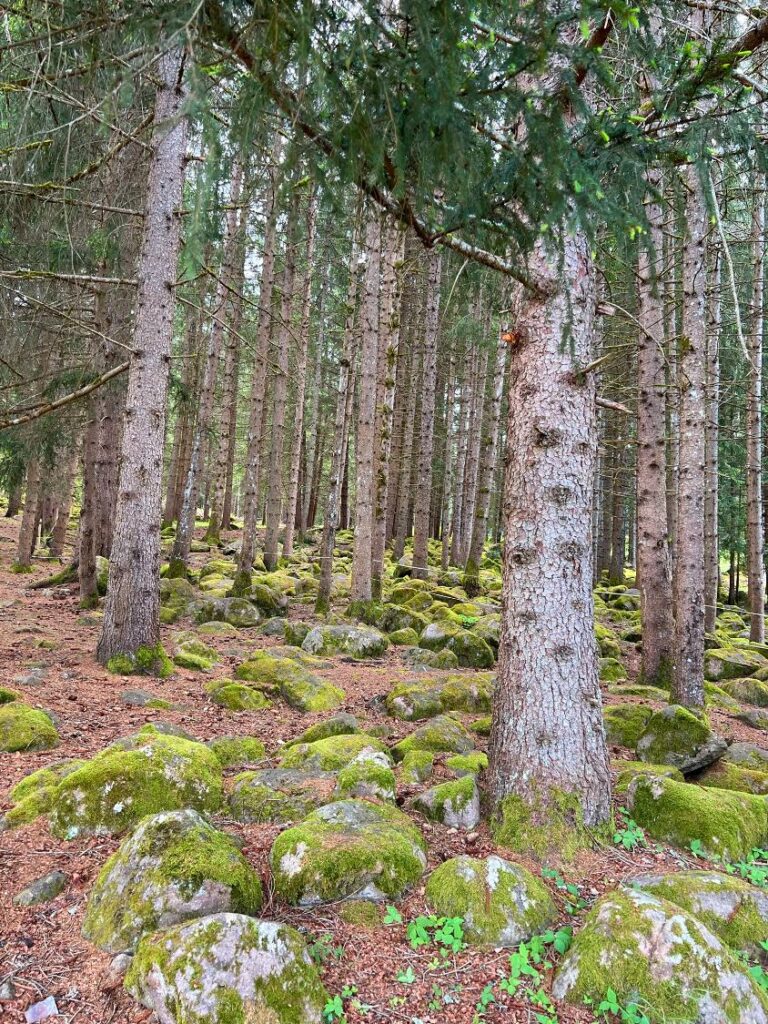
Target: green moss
x=295 y=633
x=276 y=795
x=145 y=661
x=25 y=728
x=330 y=754
x=730 y=664
x=747 y=691
x=467 y=764
x=675 y=735
x=7 y=695
x=234 y=750
x=454 y=803
x=639 y=690
x=727 y=824
x=338 y=725
x=501 y=903
x=404 y=637
x=417 y=766
x=298 y=687
x=159 y=877
x=611 y=670
x=482 y=726
x=724 y=775
x=367 y=778
x=443 y=733
x=425 y=698
x=360 y=913
x=549 y=824
x=21 y=569
x=625 y=723
x=629 y=769
x=218 y=629
x=237 y=697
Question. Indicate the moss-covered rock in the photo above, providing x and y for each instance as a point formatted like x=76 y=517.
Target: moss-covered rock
x=747 y=691
x=417 y=766
x=7 y=695
x=279 y=795
x=638 y=690
x=177 y=596
x=393 y=618
x=236 y=750
x=236 y=611
x=625 y=723
x=172 y=868
x=724 y=775
x=351 y=849
x=404 y=637
x=729 y=663
x=360 y=913
x=471 y=650
x=356 y=641
x=223 y=629
x=756 y=719
x=238 y=697
x=429 y=696
x=230 y=969
x=423 y=660
x=441 y=734
x=502 y=904
x=193 y=653
x=437 y=635
x=295 y=633
x=25 y=728
x=727 y=824
x=35 y=794
x=467 y=764
x=129 y=780
x=455 y=804
x=299 y=687
x=680 y=737
x=611 y=670
x=627 y=770
x=145 y=661
x=332 y=753
x=368 y=776
x=652 y=952
x=607 y=642
x=748 y=755
x=735 y=910
x=482 y=726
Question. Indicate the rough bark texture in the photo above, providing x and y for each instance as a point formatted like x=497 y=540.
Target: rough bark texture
x=654 y=566
x=132 y=608
x=754 y=455
x=688 y=688
x=548 y=769
x=423 y=490
x=364 y=456
x=28 y=530
x=711 y=535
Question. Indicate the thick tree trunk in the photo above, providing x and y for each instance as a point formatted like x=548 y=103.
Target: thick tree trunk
x=711 y=438
x=14 y=501
x=132 y=609
x=423 y=490
x=548 y=771
x=25 y=547
x=463 y=418
x=366 y=413
x=654 y=566
x=688 y=688
x=473 y=453
x=67 y=486
x=754 y=454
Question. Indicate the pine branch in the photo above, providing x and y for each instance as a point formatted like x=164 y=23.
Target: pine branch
x=43 y=410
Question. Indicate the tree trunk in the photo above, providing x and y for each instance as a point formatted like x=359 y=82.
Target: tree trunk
x=445 y=505
x=688 y=688
x=423 y=490
x=14 y=501
x=60 y=526
x=473 y=452
x=754 y=454
x=548 y=773
x=654 y=566
x=366 y=413
x=132 y=609
x=28 y=529
x=461 y=461
x=711 y=437
x=403 y=520
x=313 y=424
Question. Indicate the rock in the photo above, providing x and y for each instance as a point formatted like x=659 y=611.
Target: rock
x=437 y=635
x=442 y=733
x=404 y=637
x=42 y=890
x=295 y=632
x=467 y=764
x=236 y=611
x=502 y=904
x=331 y=754
x=424 y=698
x=145 y=661
x=41 y=1011
x=724 y=775
x=279 y=795
x=417 y=766
x=7 y=991
x=455 y=804
x=652 y=952
x=356 y=641
x=237 y=697
x=369 y=775
x=629 y=769
x=755 y=719
x=173 y=867
x=8 y=696
x=747 y=691
x=420 y=658
x=360 y=913
x=143 y=699
x=730 y=664
x=25 y=728
x=351 y=849
x=611 y=670
x=236 y=750
x=293 y=681
x=625 y=723
x=35 y=794
x=133 y=778
x=341 y=724
x=471 y=650
x=681 y=738
x=218 y=629
x=735 y=910
x=728 y=825
x=396 y=618
x=748 y=755
x=192 y=653
x=638 y=690
x=177 y=596
x=227 y=968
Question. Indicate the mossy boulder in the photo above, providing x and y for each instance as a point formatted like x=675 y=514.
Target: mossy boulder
x=423 y=660
x=735 y=910
x=133 y=778
x=467 y=764
x=611 y=670
x=236 y=611
x=680 y=737
x=269 y=601
x=437 y=635
x=237 y=750
x=295 y=633
x=417 y=766
x=652 y=952
x=482 y=726
x=223 y=629
x=638 y=690
x=35 y=794
x=230 y=969
x=488 y=628
x=145 y=661
x=404 y=637
x=730 y=663
x=356 y=641
x=332 y=753
x=724 y=775
x=607 y=642
x=471 y=650
x=502 y=904
x=756 y=719
x=360 y=913
x=299 y=687
x=341 y=724
x=748 y=755
x=395 y=617
x=727 y=824
x=625 y=723
x=238 y=697
x=426 y=697
x=7 y=695
x=368 y=776
x=279 y=795
x=177 y=595
x=25 y=728
x=172 y=868
x=747 y=691
x=441 y=734
x=194 y=654
x=455 y=804
x=351 y=849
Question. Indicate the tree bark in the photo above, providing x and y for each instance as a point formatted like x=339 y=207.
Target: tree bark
x=28 y=530
x=711 y=438
x=548 y=771
x=132 y=608
x=754 y=423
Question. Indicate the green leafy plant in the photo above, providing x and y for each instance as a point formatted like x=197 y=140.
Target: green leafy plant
x=406 y=977
x=576 y=902
x=629 y=1014
x=321 y=949
x=333 y=1010
x=446 y=932
x=631 y=835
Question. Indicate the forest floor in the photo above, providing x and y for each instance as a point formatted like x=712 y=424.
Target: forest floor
x=42 y=951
